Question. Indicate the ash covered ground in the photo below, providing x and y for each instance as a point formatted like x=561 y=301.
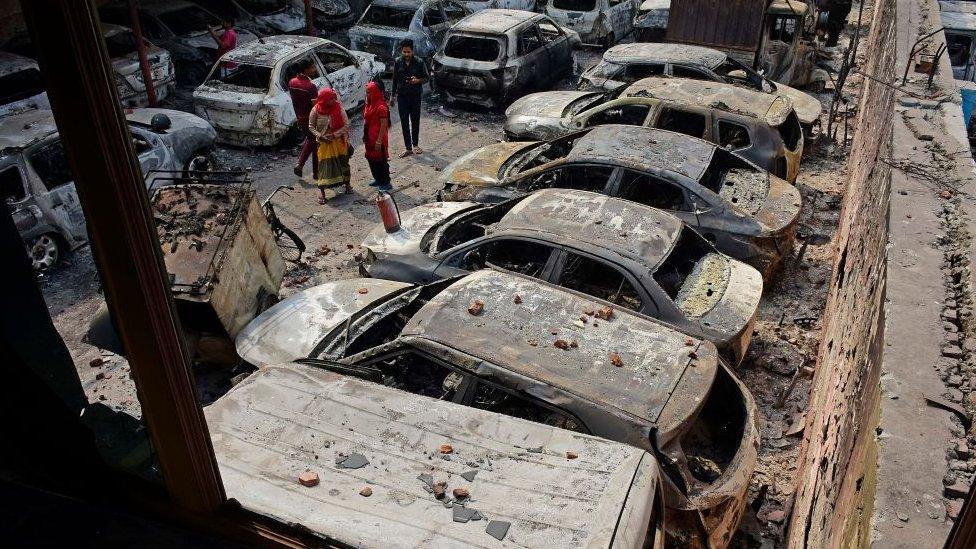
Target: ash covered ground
x=776 y=370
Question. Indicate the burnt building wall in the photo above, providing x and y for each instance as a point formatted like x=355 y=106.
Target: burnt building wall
x=836 y=455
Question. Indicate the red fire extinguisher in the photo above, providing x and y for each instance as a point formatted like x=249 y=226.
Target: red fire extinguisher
x=389 y=211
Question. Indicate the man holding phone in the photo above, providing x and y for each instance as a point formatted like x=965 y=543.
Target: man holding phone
x=409 y=75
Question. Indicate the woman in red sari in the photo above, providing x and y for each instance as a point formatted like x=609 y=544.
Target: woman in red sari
x=376 y=136
x=330 y=126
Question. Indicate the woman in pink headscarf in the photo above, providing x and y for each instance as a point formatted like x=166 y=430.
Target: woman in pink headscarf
x=376 y=136
x=330 y=126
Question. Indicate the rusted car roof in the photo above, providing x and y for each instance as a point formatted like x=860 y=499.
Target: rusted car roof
x=634 y=230
x=494 y=20
x=26 y=128
x=267 y=51
x=519 y=337
x=641 y=147
x=664 y=53
x=284 y=420
x=773 y=109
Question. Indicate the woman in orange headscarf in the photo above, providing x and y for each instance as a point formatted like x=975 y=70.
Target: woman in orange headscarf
x=330 y=126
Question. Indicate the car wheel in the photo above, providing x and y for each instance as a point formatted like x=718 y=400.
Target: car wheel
x=202 y=160
x=191 y=73
x=45 y=252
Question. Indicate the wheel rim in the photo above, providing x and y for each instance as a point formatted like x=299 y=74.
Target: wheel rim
x=44 y=253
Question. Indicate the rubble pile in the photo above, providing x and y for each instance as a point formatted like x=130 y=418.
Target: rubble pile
x=194 y=216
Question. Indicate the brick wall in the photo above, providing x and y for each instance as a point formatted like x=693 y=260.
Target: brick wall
x=841 y=413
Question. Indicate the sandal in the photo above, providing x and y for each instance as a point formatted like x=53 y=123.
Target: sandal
x=321 y=200
x=418 y=150
x=406 y=153
x=298 y=171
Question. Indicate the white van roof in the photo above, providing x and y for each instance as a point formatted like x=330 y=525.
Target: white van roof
x=285 y=420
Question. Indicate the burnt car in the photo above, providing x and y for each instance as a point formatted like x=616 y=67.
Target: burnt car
x=631 y=255
x=38 y=188
x=23 y=86
x=747 y=213
x=329 y=14
x=246 y=97
x=263 y=17
x=651 y=21
x=600 y=22
x=181 y=28
x=510 y=344
x=548 y=115
x=627 y=63
x=386 y=23
x=608 y=495
x=123 y=54
x=496 y=55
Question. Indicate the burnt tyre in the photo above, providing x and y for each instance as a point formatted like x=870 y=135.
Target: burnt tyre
x=191 y=74
x=46 y=252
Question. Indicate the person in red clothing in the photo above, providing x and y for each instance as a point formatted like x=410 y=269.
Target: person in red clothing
x=226 y=41
x=376 y=135
x=303 y=93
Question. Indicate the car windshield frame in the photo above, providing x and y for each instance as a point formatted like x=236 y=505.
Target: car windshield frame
x=499 y=49
x=221 y=72
x=390 y=10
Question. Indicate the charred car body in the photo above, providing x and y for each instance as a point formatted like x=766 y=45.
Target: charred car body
x=548 y=115
x=626 y=63
x=22 y=84
x=246 y=97
x=263 y=17
x=631 y=255
x=329 y=14
x=627 y=379
x=959 y=20
x=744 y=211
x=494 y=56
x=477 y=5
x=124 y=55
x=597 y=21
x=37 y=185
x=386 y=23
x=608 y=495
x=181 y=28
x=651 y=21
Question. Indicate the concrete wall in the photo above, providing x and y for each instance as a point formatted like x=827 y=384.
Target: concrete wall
x=829 y=501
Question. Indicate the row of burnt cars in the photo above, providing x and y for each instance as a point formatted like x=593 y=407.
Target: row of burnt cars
x=548 y=350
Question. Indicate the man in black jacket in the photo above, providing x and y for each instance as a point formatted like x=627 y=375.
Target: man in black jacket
x=409 y=75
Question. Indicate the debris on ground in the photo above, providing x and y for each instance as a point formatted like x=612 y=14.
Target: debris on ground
x=616 y=360
x=476 y=308
x=366 y=492
x=446 y=449
x=352 y=461
x=308 y=479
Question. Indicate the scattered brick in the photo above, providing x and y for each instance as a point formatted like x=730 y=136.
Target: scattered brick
x=477 y=306
x=573 y=344
x=958 y=489
x=363 y=291
x=308 y=479
x=561 y=344
x=461 y=493
x=616 y=360
x=571 y=455
x=439 y=489
x=96 y=362
x=366 y=492
x=517 y=299
x=446 y=449
x=689 y=342
x=605 y=313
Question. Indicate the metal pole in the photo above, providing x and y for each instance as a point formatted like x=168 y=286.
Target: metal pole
x=76 y=69
x=143 y=58
x=309 y=19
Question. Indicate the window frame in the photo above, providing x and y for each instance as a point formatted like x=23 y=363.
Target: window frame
x=647 y=301
x=719 y=121
x=23 y=183
x=562 y=165
x=466 y=247
x=685 y=193
x=534 y=29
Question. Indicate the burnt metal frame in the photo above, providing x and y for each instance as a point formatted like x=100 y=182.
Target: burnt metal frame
x=80 y=86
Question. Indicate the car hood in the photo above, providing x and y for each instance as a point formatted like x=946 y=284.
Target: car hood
x=808 y=108
x=781 y=207
x=292 y=328
x=481 y=167
x=414 y=224
x=550 y=104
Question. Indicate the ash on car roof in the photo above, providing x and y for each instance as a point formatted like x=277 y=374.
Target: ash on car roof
x=494 y=20
x=664 y=53
x=642 y=148
x=771 y=108
x=269 y=51
x=651 y=358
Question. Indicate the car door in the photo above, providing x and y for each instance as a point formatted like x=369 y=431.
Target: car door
x=344 y=74
x=524 y=256
x=57 y=195
x=680 y=120
x=19 y=199
x=655 y=191
x=560 y=51
x=533 y=61
x=621 y=14
x=603 y=279
x=435 y=24
x=614 y=112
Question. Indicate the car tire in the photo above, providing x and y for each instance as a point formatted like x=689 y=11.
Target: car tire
x=46 y=252
x=202 y=157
